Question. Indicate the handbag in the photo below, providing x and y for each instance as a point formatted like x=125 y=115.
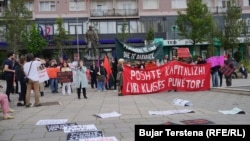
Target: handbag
x=100 y=78
x=26 y=79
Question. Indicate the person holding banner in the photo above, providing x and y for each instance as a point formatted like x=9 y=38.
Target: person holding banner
x=31 y=71
x=101 y=78
x=65 y=67
x=214 y=72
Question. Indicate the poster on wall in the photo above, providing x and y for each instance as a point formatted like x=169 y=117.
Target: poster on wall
x=171 y=76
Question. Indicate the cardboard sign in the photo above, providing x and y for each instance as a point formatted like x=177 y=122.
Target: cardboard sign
x=64 y=77
x=76 y=136
x=183 y=52
x=58 y=127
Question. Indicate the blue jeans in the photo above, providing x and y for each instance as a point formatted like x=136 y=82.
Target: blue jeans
x=100 y=85
x=53 y=83
x=215 y=79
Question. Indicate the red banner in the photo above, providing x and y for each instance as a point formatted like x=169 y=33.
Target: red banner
x=171 y=76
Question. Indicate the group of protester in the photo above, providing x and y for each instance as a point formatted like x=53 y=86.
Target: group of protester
x=24 y=73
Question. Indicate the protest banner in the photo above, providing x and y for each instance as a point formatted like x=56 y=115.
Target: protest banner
x=76 y=136
x=215 y=61
x=58 y=127
x=43 y=75
x=150 y=52
x=171 y=76
x=51 y=121
x=79 y=128
x=64 y=77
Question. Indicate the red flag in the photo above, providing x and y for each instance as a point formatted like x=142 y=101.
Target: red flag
x=106 y=65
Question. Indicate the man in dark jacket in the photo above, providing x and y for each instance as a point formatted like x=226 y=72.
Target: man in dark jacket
x=93 y=74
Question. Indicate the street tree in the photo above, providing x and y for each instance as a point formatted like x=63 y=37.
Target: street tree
x=61 y=37
x=195 y=22
x=16 y=17
x=233 y=26
x=33 y=41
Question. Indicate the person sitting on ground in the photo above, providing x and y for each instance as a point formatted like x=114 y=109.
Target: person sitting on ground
x=5 y=106
x=243 y=70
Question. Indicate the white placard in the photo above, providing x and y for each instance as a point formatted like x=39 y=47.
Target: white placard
x=43 y=75
x=181 y=102
x=233 y=111
x=100 y=139
x=79 y=128
x=108 y=115
x=170 y=112
x=51 y=121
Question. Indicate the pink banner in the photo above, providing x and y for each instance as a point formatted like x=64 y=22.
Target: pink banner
x=216 y=61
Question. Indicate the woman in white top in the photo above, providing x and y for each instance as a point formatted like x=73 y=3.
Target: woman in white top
x=65 y=67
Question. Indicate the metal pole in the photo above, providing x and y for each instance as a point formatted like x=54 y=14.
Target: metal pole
x=77 y=37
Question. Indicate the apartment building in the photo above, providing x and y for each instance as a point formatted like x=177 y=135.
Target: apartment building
x=108 y=16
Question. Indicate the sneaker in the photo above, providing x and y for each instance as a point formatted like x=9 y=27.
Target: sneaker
x=20 y=104
x=11 y=110
x=8 y=117
x=28 y=105
x=38 y=105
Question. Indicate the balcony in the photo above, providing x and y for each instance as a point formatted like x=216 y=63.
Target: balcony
x=114 y=13
x=218 y=10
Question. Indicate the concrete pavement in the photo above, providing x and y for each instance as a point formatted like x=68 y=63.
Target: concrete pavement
x=133 y=109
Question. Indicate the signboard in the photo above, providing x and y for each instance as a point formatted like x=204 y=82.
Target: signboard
x=64 y=77
x=76 y=136
x=183 y=53
x=58 y=127
x=174 y=75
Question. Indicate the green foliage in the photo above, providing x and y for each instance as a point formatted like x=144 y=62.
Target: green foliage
x=210 y=51
x=61 y=36
x=150 y=35
x=196 y=22
x=15 y=18
x=233 y=26
x=33 y=41
x=124 y=31
x=237 y=56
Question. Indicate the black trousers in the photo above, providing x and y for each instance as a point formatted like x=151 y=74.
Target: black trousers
x=93 y=82
x=221 y=78
x=79 y=92
x=9 y=86
x=22 y=95
x=228 y=80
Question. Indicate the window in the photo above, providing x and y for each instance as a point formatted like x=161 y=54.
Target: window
x=150 y=4
x=29 y=6
x=75 y=28
x=120 y=26
x=133 y=27
x=80 y=5
x=178 y=4
x=47 y=6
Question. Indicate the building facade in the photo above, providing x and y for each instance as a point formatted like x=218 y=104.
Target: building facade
x=108 y=17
